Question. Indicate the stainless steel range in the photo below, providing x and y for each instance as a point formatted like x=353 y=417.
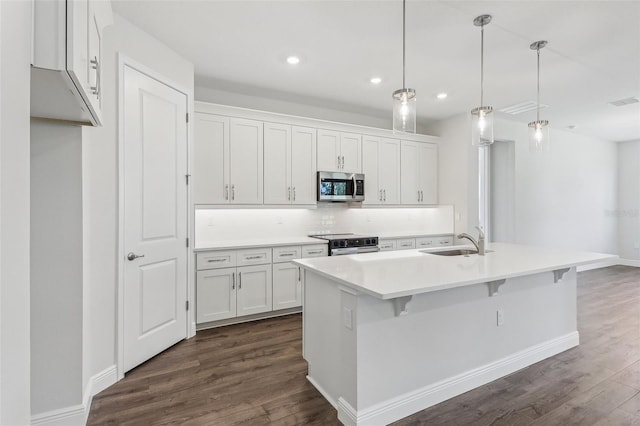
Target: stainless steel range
x=340 y=244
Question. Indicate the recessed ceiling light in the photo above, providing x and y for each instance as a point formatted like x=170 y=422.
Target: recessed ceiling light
x=376 y=80
x=293 y=60
x=441 y=96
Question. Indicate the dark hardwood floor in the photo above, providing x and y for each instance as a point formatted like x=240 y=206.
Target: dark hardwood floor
x=254 y=374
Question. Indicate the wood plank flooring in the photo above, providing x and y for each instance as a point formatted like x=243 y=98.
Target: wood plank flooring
x=254 y=374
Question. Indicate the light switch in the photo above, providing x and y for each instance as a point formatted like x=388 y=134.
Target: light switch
x=347 y=317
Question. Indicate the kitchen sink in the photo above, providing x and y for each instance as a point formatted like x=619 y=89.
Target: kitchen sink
x=455 y=252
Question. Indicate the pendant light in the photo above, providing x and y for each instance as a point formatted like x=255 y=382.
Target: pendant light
x=482 y=116
x=539 y=129
x=404 y=100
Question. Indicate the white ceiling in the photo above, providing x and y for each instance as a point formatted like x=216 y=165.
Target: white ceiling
x=593 y=55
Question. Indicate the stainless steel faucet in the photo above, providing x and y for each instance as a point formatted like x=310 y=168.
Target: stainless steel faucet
x=479 y=243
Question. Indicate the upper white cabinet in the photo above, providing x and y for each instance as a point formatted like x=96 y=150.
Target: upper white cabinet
x=227 y=160
x=339 y=151
x=289 y=164
x=419 y=174
x=67 y=59
x=381 y=167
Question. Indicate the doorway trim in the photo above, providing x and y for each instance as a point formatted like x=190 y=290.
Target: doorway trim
x=123 y=62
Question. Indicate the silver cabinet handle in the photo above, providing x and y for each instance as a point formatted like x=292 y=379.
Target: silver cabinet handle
x=380 y=196
x=343 y=161
x=253 y=257
x=444 y=242
x=289 y=193
x=299 y=275
x=384 y=191
x=287 y=254
x=132 y=256
x=216 y=260
x=294 y=193
x=96 y=66
x=233 y=281
x=240 y=280
x=233 y=192
x=418 y=195
x=315 y=251
x=226 y=192
x=338 y=161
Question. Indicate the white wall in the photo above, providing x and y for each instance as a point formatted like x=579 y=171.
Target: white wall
x=56 y=266
x=216 y=225
x=628 y=211
x=15 y=48
x=100 y=184
x=563 y=198
x=280 y=103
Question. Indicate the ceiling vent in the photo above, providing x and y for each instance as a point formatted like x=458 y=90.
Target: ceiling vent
x=625 y=101
x=522 y=107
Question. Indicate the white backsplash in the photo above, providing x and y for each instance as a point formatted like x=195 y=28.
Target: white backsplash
x=215 y=225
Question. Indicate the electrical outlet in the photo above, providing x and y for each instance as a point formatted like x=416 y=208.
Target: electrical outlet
x=347 y=317
x=500 y=317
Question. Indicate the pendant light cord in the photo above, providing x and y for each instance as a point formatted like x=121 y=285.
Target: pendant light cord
x=404 y=2
x=538 y=109
x=482 y=66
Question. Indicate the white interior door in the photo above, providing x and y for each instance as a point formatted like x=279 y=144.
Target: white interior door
x=155 y=217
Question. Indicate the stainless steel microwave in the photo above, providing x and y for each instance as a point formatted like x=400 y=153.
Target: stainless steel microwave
x=340 y=187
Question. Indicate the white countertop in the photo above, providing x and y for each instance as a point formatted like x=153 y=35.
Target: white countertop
x=391 y=274
x=257 y=242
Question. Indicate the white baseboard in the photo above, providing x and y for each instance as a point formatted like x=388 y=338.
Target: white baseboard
x=404 y=405
x=598 y=265
x=629 y=262
x=78 y=414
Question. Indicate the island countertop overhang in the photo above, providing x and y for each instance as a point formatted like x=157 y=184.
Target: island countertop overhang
x=394 y=274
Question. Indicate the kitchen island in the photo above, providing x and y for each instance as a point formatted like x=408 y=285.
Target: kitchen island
x=389 y=334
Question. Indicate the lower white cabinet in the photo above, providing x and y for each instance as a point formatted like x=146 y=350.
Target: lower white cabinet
x=236 y=283
x=287 y=286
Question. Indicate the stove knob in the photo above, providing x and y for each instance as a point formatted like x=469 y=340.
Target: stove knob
x=343 y=243
x=367 y=241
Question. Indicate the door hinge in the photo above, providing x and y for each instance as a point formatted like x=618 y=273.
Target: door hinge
x=187 y=117
x=187 y=305
x=187 y=242
x=187 y=176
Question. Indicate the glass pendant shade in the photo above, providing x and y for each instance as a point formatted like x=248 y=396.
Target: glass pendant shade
x=482 y=126
x=404 y=111
x=539 y=136
x=482 y=116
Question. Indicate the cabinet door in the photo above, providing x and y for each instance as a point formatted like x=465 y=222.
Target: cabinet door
x=409 y=172
x=287 y=288
x=246 y=161
x=389 y=170
x=328 y=151
x=277 y=161
x=303 y=165
x=370 y=168
x=428 y=173
x=215 y=294
x=350 y=151
x=254 y=290
x=210 y=166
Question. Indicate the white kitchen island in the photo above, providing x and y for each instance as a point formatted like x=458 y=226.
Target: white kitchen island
x=388 y=334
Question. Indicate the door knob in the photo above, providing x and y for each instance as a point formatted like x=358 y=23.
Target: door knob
x=132 y=256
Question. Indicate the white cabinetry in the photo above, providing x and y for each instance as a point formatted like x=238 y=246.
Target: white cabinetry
x=227 y=160
x=236 y=283
x=411 y=243
x=226 y=292
x=339 y=152
x=67 y=59
x=381 y=167
x=419 y=174
x=289 y=164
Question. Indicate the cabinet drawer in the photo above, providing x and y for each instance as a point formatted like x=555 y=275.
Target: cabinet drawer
x=387 y=245
x=285 y=254
x=254 y=256
x=215 y=259
x=315 y=250
x=443 y=241
x=406 y=243
x=426 y=242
